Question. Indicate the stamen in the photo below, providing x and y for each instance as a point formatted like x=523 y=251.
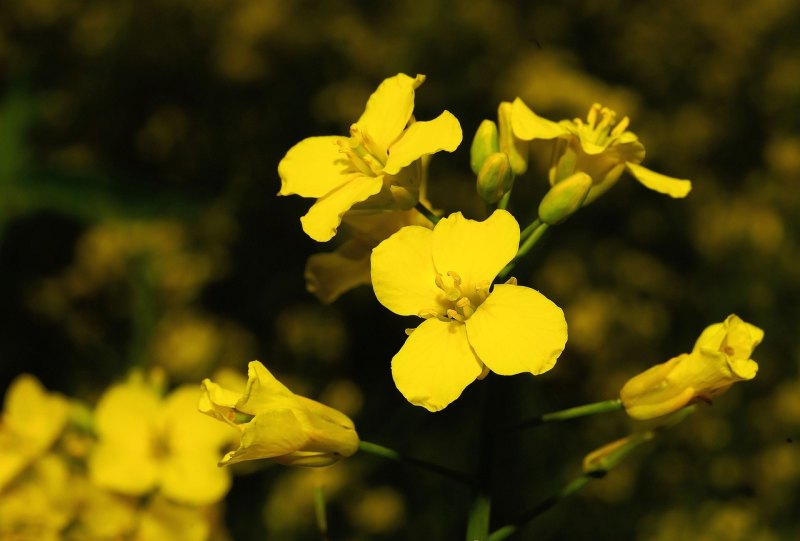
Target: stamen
x=729 y=351
x=452 y=314
x=482 y=289
x=511 y=281
x=427 y=313
x=456 y=278
x=409 y=331
x=439 y=281
x=591 y=117
x=621 y=126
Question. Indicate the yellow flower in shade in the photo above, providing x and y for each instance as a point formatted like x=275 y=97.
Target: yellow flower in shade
x=444 y=275
x=31 y=421
x=147 y=442
x=376 y=167
x=600 y=147
x=720 y=358
x=277 y=424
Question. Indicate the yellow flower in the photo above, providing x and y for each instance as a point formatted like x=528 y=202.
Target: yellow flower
x=720 y=357
x=376 y=167
x=444 y=275
x=146 y=442
x=600 y=147
x=277 y=424
x=31 y=421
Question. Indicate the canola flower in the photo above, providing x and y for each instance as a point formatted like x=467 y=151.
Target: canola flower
x=444 y=276
x=277 y=424
x=600 y=147
x=720 y=358
x=375 y=167
x=147 y=442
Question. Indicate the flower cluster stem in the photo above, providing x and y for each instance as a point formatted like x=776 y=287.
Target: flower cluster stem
x=319 y=512
x=569 y=413
x=428 y=213
x=391 y=454
x=534 y=232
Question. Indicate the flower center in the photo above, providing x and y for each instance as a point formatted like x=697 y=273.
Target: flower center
x=601 y=126
x=456 y=303
x=365 y=155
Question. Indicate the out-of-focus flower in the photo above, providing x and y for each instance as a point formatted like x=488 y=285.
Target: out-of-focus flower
x=31 y=421
x=375 y=166
x=444 y=276
x=146 y=442
x=277 y=424
x=720 y=357
x=600 y=147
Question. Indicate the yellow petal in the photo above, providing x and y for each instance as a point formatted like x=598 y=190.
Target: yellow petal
x=194 y=478
x=217 y=402
x=403 y=275
x=517 y=329
x=422 y=139
x=264 y=392
x=324 y=217
x=674 y=187
x=313 y=167
x=329 y=275
x=476 y=251
x=528 y=125
x=269 y=434
x=389 y=108
x=435 y=364
x=164 y=519
x=186 y=429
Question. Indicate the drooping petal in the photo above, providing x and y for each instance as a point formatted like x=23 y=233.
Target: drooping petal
x=422 y=139
x=403 y=275
x=313 y=167
x=323 y=218
x=674 y=187
x=435 y=364
x=331 y=274
x=477 y=251
x=389 y=108
x=517 y=329
x=528 y=125
x=269 y=434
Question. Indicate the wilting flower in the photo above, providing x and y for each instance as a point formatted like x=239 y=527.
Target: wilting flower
x=600 y=147
x=444 y=275
x=277 y=424
x=721 y=357
x=147 y=442
x=31 y=421
x=377 y=167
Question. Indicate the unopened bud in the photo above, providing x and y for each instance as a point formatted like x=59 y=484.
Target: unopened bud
x=516 y=149
x=564 y=198
x=495 y=177
x=484 y=145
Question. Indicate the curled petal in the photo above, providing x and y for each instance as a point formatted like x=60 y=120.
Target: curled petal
x=422 y=139
x=263 y=391
x=389 y=108
x=435 y=364
x=313 y=167
x=324 y=217
x=403 y=275
x=674 y=187
x=528 y=125
x=270 y=434
x=517 y=329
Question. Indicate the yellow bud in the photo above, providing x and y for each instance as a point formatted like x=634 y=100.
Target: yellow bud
x=484 y=145
x=495 y=177
x=516 y=149
x=564 y=198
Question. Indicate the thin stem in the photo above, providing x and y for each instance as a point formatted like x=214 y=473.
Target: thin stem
x=481 y=500
x=391 y=454
x=526 y=246
x=428 y=213
x=319 y=512
x=530 y=229
x=503 y=203
x=567 y=414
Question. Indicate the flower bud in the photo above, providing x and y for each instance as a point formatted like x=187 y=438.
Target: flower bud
x=515 y=148
x=564 y=198
x=495 y=177
x=484 y=145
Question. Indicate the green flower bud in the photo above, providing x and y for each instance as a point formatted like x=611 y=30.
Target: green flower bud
x=564 y=198
x=484 y=144
x=516 y=149
x=495 y=177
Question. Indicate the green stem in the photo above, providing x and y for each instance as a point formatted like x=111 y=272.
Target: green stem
x=567 y=414
x=503 y=203
x=530 y=229
x=526 y=246
x=428 y=213
x=319 y=512
x=391 y=454
x=481 y=500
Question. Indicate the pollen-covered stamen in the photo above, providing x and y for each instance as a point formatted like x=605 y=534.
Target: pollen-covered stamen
x=356 y=161
x=598 y=126
x=451 y=292
x=427 y=313
x=465 y=307
x=482 y=289
x=452 y=314
x=511 y=281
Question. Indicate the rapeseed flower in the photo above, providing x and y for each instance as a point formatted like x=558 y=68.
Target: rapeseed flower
x=277 y=424
x=720 y=357
x=147 y=442
x=377 y=167
x=600 y=147
x=444 y=276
